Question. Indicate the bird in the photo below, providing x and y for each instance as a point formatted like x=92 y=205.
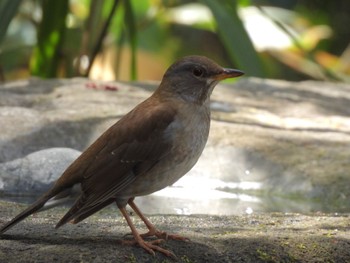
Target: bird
x=148 y=149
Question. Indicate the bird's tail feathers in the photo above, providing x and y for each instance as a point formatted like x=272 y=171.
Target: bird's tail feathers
x=31 y=209
x=73 y=211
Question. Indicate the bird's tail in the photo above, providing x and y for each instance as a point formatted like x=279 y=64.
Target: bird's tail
x=31 y=209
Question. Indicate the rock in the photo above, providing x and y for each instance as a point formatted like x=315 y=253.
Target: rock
x=37 y=114
x=35 y=172
x=271 y=141
x=263 y=237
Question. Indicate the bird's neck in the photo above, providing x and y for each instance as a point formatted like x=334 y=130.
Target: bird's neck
x=199 y=97
x=192 y=109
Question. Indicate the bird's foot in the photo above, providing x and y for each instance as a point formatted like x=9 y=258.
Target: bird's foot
x=164 y=235
x=150 y=246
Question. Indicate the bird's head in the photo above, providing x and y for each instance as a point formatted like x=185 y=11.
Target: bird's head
x=193 y=78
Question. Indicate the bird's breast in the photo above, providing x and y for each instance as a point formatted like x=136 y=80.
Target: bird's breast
x=188 y=134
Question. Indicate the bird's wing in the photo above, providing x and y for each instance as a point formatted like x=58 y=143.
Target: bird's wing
x=126 y=150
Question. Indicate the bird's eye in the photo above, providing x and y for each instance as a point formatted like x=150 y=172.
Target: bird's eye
x=197 y=72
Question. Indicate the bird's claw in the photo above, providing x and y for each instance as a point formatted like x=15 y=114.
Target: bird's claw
x=150 y=246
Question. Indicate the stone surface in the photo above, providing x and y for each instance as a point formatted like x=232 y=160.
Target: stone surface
x=269 y=139
x=273 y=237
x=35 y=172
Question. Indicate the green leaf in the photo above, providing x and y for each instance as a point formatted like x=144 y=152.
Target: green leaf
x=131 y=29
x=234 y=36
x=8 y=9
x=244 y=3
x=46 y=55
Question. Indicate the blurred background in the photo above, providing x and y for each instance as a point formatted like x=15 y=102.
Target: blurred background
x=137 y=40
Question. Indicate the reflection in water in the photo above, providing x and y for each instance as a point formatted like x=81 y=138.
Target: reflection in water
x=195 y=187
x=202 y=195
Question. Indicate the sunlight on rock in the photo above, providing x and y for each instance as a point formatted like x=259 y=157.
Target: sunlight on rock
x=249 y=210
x=182 y=211
x=327 y=122
x=209 y=189
x=211 y=183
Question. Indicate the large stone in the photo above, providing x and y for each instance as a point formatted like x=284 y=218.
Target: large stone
x=36 y=172
x=37 y=114
x=255 y=238
x=269 y=138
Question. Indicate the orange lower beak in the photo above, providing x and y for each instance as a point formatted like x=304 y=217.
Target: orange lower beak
x=228 y=73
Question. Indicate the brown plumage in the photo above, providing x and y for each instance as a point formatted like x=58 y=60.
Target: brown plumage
x=150 y=148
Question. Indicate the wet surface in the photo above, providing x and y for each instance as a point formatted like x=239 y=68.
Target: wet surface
x=215 y=197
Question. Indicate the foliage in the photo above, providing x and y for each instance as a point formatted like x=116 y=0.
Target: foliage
x=67 y=38
x=8 y=9
x=235 y=38
x=46 y=54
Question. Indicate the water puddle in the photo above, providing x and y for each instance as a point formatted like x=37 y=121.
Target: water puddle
x=214 y=197
x=225 y=181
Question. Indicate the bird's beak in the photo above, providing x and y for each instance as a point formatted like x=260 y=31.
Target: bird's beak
x=228 y=73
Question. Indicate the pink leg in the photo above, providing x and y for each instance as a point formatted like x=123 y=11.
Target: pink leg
x=149 y=246
x=152 y=231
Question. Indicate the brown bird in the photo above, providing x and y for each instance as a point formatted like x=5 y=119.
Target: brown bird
x=148 y=149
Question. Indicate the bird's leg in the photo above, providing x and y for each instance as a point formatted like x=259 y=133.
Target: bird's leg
x=149 y=246
x=152 y=230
